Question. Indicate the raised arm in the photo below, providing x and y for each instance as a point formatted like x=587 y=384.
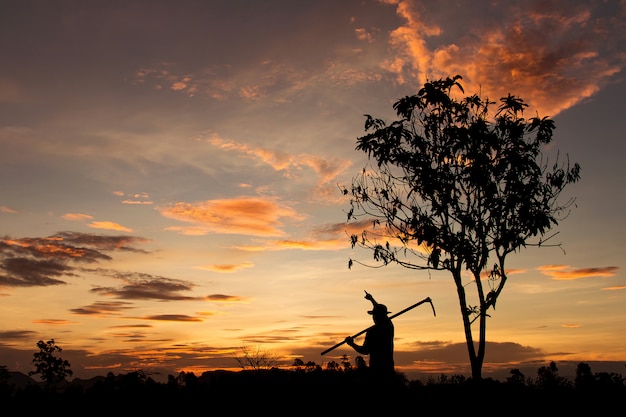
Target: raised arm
x=368 y=296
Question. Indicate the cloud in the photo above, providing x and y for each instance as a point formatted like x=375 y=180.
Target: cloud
x=131 y=326
x=244 y=215
x=5 y=209
x=278 y=245
x=162 y=76
x=139 y=286
x=551 y=56
x=23 y=272
x=564 y=272
x=433 y=356
x=224 y=298
x=135 y=199
x=102 y=308
x=137 y=202
x=15 y=335
x=173 y=317
x=326 y=237
x=101 y=242
x=109 y=226
x=54 y=322
x=326 y=169
x=226 y=267
x=363 y=34
x=615 y=288
x=42 y=261
x=262 y=79
x=76 y=216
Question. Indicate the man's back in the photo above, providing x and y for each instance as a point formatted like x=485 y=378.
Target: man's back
x=379 y=344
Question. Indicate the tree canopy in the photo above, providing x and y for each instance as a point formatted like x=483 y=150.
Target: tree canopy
x=52 y=369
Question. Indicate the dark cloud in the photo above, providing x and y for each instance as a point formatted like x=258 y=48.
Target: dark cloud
x=172 y=317
x=42 y=261
x=25 y=272
x=131 y=326
x=140 y=286
x=223 y=297
x=437 y=351
x=102 y=308
x=105 y=243
x=8 y=336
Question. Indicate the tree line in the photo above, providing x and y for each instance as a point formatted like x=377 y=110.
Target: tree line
x=305 y=382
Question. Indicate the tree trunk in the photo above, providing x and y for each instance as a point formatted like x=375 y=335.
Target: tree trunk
x=476 y=361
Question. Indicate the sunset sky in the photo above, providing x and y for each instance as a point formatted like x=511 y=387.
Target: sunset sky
x=170 y=173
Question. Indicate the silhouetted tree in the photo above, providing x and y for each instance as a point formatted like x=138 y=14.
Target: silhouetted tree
x=584 y=377
x=333 y=366
x=548 y=377
x=257 y=359
x=452 y=188
x=4 y=374
x=516 y=378
x=359 y=362
x=298 y=364
x=311 y=366
x=604 y=380
x=184 y=379
x=345 y=361
x=51 y=369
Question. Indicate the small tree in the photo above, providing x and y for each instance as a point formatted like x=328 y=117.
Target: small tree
x=452 y=189
x=548 y=377
x=51 y=369
x=257 y=359
x=584 y=377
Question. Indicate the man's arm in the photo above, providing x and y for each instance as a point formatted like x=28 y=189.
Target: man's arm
x=363 y=350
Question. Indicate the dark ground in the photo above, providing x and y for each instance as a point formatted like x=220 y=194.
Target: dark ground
x=317 y=392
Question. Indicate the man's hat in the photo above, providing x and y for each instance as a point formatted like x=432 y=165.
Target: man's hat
x=379 y=309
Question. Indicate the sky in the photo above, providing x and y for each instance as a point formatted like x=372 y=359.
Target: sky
x=170 y=177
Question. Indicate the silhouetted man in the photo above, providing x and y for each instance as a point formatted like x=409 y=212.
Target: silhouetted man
x=378 y=342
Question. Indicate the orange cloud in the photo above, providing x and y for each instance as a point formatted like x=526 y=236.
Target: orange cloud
x=140 y=286
x=327 y=169
x=220 y=82
x=564 y=272
x=244 y=215
x=109 y=226
x=102 y=308
x=363 y=34
x=5 y=209
x=136 y=199
x=226 y=267
x=615 y=288
x=77 y=216
x=172 y=317
x=510 y=53
x=224 y=298
x=54 y=321
x=137 y=202
x=277 y=245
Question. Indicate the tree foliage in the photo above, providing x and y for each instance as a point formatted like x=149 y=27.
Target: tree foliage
x=52 y=369
x=454 y=188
